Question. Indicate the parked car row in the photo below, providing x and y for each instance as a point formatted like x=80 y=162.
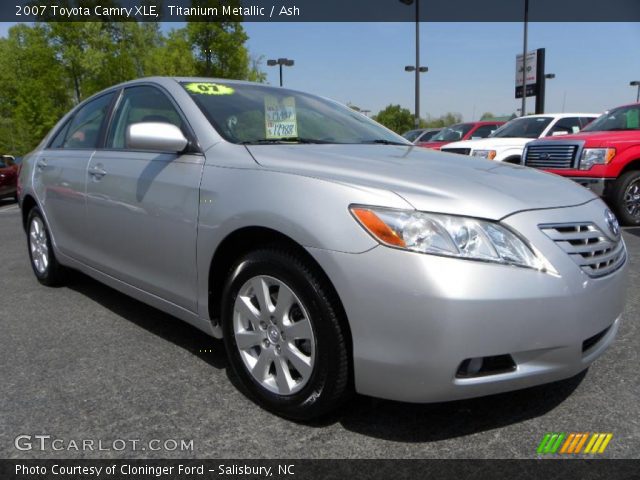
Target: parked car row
x=461 y=131
x=507 y=143
x=600 y=152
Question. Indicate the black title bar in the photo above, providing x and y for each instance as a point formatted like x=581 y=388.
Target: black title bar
x=319 y=469
x=320 y=10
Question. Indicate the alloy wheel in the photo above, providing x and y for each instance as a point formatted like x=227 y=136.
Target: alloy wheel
x=38 y=245
x=632 y=199
x=274 y=335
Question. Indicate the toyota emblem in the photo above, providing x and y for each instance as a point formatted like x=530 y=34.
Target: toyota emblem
x=612 y=222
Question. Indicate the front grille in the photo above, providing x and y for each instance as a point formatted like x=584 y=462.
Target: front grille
x=596 y=253
x=560 y=156
x=461 y=151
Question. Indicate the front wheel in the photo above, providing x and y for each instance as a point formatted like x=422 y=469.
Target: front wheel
x=283 y=335
x=626 y=198
x=43 y=261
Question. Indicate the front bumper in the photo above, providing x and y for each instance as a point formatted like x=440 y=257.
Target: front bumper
x=415 y=318
x=599 y=186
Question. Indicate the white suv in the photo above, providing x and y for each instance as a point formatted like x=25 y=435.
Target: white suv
x=507 y=143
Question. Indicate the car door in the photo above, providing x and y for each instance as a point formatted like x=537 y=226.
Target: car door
x=142 y=206
x=60 y=172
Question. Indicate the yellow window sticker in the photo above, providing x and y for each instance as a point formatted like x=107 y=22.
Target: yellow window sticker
x=209 y=89
x=280 y=117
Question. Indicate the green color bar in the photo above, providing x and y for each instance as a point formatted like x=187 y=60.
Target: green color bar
x=550 y=443
x=558 y=442
x=543 y=443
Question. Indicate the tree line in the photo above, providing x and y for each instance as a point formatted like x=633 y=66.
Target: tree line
x=48 y=67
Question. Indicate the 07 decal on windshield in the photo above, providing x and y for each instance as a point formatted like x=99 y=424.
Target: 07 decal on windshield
x=209 y=88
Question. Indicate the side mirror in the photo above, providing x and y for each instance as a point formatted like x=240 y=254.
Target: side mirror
x=155 y=136
x=559 y=133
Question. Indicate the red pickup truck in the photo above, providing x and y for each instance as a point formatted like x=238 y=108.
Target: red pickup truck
x=604 y=157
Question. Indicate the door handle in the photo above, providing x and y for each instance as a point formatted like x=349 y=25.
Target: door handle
x=42 y=164
x=97 y=171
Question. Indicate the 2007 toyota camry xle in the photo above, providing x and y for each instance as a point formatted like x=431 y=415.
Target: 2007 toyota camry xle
x=330 y=254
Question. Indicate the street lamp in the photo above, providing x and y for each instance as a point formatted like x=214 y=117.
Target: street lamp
x=281 y=61
x=549 y=76
x=636 y=83
x=417 y=68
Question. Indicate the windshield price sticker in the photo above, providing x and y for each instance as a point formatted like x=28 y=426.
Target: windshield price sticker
x=209 y=89
x=280 y=117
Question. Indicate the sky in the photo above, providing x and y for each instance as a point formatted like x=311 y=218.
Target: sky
x=471 y=65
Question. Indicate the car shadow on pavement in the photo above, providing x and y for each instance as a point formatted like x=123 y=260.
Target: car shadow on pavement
x=405 y=422
x=166 y=326
x=384 y=419
x=6 y=202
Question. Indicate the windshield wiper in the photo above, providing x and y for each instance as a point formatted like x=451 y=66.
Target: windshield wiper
x=382 y=141
x=271 y=141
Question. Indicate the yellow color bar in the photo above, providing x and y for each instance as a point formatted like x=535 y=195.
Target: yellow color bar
x=606 y=441
x=594 y=437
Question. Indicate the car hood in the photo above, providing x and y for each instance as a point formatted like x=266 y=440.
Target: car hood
x=428 y=180
x=602 y=139
x=491 y=143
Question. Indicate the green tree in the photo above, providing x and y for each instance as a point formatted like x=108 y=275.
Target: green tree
x=487 y=116
x=445 y=120
x=32 y=98
x=395 y=118
x=47 y=67
x=173 y=57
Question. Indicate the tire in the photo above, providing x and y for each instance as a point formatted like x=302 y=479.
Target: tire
x=43 y=261
x=625 y=198
x=302 y=335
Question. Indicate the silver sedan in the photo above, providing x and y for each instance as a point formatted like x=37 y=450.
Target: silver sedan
x=330 y=254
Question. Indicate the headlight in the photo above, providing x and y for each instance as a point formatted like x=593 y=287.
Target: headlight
x=596 y=156
x=447 y=235
x=488 y=154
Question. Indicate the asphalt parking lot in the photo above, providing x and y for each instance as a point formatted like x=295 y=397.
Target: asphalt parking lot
x=86 y=362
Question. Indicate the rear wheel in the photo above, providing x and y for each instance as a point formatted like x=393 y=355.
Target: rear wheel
x=43 y=261
x=626 y=198
x=283 y=336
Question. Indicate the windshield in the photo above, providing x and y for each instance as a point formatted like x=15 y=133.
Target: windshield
x=623 y=118
x=453 y=133
x=260 y=114
x=523 y=127
x=411 y=135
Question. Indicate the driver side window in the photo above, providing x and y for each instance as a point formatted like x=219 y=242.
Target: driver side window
x=567 y=125
x=140 y=104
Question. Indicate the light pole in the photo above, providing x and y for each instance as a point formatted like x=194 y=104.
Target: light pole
x=523 y=108
x=282 y=62
x=636 y=83
x=542 y=88
x=417 y=68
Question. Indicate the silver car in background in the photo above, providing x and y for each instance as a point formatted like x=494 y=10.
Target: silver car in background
x=330 y=254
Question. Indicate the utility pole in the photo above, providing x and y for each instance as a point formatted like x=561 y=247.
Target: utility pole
x=523 y=108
